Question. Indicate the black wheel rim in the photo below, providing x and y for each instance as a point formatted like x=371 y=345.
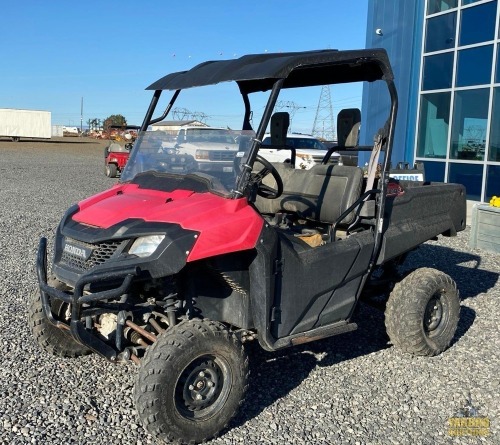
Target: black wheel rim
x=435 y=315
x=203 y=388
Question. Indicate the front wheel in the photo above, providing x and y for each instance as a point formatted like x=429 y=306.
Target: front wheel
x=52 y=339
x=111 y=170
x=422 y=312
x=191 y=382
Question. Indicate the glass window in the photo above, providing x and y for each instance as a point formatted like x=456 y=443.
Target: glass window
x=434 y=6
x=474 y=66
x=497 y=74
x=434 y=171
x=438 y=71
x=470 y=175
x=492 y=182
x=433 y=125
x=470 y=118
x=468 y=2
x=440 y=32
x=494 y=148
x=478 y=24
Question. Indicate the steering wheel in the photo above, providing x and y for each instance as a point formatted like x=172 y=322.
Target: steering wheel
x=257 y=177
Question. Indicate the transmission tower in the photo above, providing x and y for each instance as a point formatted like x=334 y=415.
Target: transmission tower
x=180 y=114
x=292 y=109
x=183 y=114
x=323 y=126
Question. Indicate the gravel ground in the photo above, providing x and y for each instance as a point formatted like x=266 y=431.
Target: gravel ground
x=350 y=389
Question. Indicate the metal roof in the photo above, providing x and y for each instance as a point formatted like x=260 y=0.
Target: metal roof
x=258 y=72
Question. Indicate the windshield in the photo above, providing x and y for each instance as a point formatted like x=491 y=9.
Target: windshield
x=208 y=155
x=200 y=143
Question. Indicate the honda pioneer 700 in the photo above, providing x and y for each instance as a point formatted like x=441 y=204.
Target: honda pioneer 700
x=189 y=256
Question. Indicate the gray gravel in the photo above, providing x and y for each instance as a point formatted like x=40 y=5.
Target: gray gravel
x=350 y=389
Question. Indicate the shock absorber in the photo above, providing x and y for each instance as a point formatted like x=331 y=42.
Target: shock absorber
x=170 y=308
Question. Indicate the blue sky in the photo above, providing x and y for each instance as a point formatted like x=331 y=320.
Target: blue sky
x=54 y=53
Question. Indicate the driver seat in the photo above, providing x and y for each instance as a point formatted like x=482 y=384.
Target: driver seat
x=320 y=194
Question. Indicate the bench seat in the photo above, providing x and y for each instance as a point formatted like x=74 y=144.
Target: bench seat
x=320 y=194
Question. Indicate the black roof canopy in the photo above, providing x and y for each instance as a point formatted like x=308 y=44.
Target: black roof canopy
x=258 y=72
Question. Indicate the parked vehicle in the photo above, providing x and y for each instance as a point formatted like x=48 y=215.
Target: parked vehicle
x=115 y=154
x=71 y=131
x=17 y=124
x=177 y=269
x=213 y=149
x=115 y=158
x=307 y=150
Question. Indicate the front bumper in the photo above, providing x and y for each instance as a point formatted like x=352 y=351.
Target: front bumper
x=78 y=326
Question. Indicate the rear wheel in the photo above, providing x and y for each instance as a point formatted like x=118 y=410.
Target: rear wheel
x=422 y=312
x=191 y=382
x=111 y=170
x=50 y=338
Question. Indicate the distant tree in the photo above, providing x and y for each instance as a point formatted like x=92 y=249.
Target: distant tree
x=114 y=119
x=94 y=124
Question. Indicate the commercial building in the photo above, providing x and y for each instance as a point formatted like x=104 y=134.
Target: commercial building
x=446 y=60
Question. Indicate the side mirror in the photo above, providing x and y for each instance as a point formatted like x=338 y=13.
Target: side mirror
x=279 y=128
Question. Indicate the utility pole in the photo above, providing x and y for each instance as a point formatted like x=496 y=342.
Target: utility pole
x=81 y=117
x=323 y=126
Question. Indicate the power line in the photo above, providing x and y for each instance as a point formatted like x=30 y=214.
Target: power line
x=291 y=106
x=183 y=114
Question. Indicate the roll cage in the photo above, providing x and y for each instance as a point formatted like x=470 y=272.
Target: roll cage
x=277 y=71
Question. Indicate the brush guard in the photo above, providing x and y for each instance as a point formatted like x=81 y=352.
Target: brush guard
x=77 y=328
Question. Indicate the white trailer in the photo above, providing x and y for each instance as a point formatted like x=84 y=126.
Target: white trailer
x=17 y=124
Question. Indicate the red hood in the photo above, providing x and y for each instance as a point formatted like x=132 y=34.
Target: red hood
x=225 y=225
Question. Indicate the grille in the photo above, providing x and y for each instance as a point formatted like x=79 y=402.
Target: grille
x=221 y=155
x=101 y=252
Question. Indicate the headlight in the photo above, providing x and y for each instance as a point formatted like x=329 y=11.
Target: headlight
x=145 y=245
x=202 y=154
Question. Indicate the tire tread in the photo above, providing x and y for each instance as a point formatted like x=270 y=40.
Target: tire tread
x=403 y=319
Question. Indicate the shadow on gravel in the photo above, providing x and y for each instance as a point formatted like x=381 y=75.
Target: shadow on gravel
x=466 y=320
x=463 y=267
x=273 y=375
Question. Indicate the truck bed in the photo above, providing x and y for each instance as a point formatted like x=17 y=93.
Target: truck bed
x=423 y=211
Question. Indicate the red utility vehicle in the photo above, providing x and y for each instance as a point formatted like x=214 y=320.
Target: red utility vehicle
x=115 y=158
x=116 y=155
x=179 y=264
